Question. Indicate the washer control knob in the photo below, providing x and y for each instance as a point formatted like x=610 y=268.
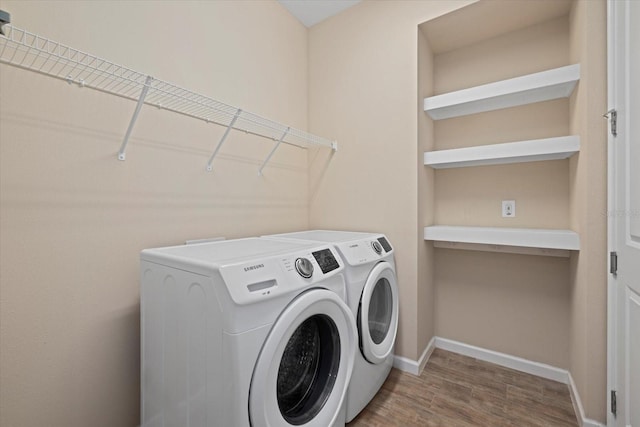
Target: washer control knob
x=376 y=247
x=304 y=267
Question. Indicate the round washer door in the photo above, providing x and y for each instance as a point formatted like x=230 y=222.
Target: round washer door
x=304 y=367
x=378 y=313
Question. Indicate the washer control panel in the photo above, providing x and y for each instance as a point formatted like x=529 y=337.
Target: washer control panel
x=268 y=277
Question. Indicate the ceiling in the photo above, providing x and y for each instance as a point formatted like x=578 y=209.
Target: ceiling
x=311 y=12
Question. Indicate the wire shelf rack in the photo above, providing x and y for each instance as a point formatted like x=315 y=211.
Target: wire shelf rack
x=29 y=51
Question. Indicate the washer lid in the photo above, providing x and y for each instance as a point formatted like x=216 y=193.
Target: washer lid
x=328 y=236
x=304 y=367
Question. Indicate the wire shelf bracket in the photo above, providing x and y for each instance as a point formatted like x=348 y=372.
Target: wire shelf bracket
x=122 y=155
x=224 y=137
x=25 y=50
x=273 y=151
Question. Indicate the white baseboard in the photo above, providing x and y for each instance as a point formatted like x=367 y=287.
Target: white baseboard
x=506 y=360
x=501 y=359
x=415 y=367
x=577 y=406
x=587 y=422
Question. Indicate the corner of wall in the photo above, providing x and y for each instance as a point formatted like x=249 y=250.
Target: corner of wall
x=588 y=338
x=426 y=197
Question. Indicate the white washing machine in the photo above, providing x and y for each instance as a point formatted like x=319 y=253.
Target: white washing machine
x=246 y=332
x=372 y=295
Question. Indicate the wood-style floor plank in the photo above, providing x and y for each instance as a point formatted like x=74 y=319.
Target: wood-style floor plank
x=460 y=391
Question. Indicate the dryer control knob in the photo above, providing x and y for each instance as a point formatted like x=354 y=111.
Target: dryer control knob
x=376 y=247
x=304 y=267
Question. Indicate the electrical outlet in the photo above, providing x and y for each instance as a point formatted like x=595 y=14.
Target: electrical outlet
x=508 y=208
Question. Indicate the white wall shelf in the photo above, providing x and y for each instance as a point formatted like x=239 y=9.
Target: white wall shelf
x=511 y=152
x=537 y=87
x=498 y=239
x=29 y=51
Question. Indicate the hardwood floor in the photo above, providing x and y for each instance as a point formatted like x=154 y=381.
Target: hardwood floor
x=456 y=390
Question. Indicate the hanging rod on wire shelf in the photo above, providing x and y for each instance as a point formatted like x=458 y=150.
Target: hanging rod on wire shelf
x=22 y=49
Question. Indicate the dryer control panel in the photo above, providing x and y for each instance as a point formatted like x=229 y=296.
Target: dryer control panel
x=385 y=244
x=365 y=251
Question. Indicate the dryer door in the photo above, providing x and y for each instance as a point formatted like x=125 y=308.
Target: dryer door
x=304 y=367
x=378 y=313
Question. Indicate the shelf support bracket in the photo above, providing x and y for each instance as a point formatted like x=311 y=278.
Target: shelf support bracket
x=224 y=137
x=122 y=153
x=286 y=132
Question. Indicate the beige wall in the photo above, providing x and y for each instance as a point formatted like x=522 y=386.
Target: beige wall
x=514 y=304
x=73 y=218
x=528 y=50
x=363 y=91
x=588 y=364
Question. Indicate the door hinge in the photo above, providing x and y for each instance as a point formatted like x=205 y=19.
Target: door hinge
x=612 y=115
x=614 y=403
x=613 y=263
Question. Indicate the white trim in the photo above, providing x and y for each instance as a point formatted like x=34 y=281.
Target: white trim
x=612 y=311
x=426 y=354
x=411 y=366
x=577 y=406
x=405 y=364
x=586 y=422
x=523 y=365
x=506 y=360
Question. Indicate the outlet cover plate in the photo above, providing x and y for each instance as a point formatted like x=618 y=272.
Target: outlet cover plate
x=508 y=208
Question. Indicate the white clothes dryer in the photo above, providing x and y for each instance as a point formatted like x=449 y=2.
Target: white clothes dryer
x=246 y=332
x=372 y=295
